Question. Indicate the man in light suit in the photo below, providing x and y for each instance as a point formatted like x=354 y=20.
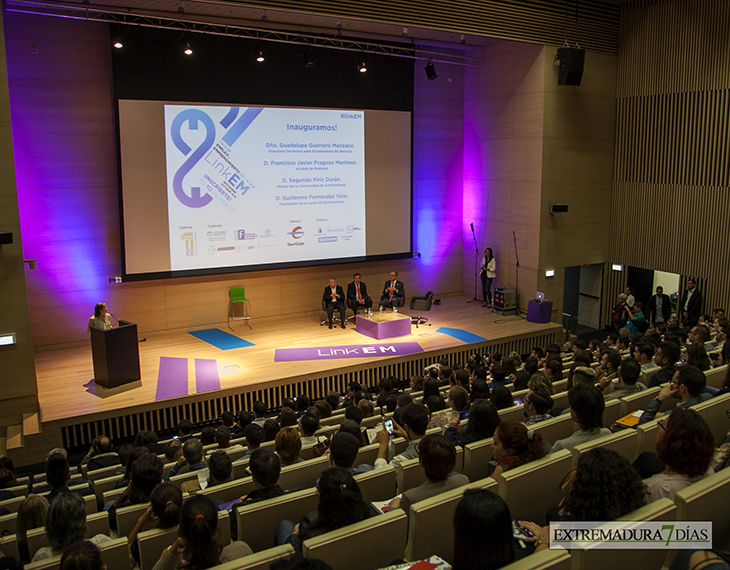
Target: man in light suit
x=394 y=292
x=357 y=294
x=334 y=298
x=691 y=305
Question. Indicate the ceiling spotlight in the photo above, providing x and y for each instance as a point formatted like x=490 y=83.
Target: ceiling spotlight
x=430 y=70
x=188 y=49
x=118 y=43
x=259 y=55
x=362 y=67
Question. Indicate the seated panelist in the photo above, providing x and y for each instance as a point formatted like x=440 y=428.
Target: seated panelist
x=357 y=294
x=334 y=298
x=394 y=292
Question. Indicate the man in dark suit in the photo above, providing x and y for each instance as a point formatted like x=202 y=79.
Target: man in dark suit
x=394 y=292
x=334 y=298
x=691 y=305
x=357 y=295
x=659 y=309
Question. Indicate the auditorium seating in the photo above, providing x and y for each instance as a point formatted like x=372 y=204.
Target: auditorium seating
x=372 y=543
x=637 y=401
x=551 y=559
x=98 y=473
x=714 y=411
x=9 y=546
x=705 y=501
x=716 y=376
x=555 y=429
x=257 y=522
x=378 y=484
x=532 y=489
x=151 y=544
x=303 y=475
x=477 y=456
x=98 y=523
x=230 y=490
x=430 y=528
x=257 y=560
x=113 y=553
x=647 y=437
x=623 y=442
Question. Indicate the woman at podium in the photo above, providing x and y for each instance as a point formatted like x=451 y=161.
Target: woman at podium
x=100 y=320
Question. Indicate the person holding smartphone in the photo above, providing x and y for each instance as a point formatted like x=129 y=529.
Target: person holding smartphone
x=414 y=418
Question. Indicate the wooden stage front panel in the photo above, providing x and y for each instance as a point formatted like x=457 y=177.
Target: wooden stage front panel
x=67 y=393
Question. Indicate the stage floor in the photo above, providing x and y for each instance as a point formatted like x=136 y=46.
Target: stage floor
x=65 y=376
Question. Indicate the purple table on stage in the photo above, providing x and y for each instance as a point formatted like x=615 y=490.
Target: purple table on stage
x=539 y=312
x=383 y=326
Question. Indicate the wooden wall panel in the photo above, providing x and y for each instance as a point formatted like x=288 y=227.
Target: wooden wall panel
x=671 y=191
x=17 y=380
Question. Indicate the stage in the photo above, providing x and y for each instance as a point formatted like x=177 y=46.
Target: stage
x=67 y=392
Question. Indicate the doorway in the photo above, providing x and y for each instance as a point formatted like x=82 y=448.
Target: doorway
x=582 y=295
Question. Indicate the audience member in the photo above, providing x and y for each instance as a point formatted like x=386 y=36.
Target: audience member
x=437 y=457
x=207 y=436
x=343 y=453
x=271 y=428
x=135 y=454
x=165 y=504
x=65 y=524
x=349 y=426
x=173 y=450
x=185 y=429
x=483 y=532
x=501 y=397
x=325 y=410
x=124 y=453
x=244 y=418
x=340 y=504
x=666 y=356
x=415 y=422
x=586 y=409
x=220 y=468
x=259 y=413
x=31 y=514
x=308 y=426
x=82 y=555
x=265 y=469
x=58 y=479
x=514 y=445
x=628 y=381
x=457 y=402
x=288 y=446
x=537 y=406
x=386 y=387
x=687 y=386
x=483 y=420
x=198 y=540
x=288 y=418
x=479 y=389
x=192 y=456
x=254 y=437
x=148 y=439
x=100 y=454
x=367 y=408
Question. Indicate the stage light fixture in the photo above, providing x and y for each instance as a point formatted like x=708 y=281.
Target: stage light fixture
x=430 y=70
x=361 y=66
x=118 y=43
x=188 y=49
x=308 y=61
x=259 y=55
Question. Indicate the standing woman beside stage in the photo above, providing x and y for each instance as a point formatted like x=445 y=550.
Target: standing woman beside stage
x=489 y=266
x=100 y=320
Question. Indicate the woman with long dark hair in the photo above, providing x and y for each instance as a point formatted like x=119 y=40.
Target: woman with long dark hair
x=340 y=504
x=482 y=532
x=483 y=420
x=489 y=266
x=165 y=505
x=197 y=546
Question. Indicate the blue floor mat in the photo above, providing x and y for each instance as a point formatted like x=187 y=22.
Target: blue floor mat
x=221 y=339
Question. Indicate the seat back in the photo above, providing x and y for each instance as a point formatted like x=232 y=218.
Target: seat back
x=646 y=437
x=259 y=560
x=624 y=443
x=98 y=523
x=127 y=518
x=152 y=542
x=101 y=473
x=600 y=559
x=18 y=490
x=237 y=294
x=303 y=475
x=429 y=526
x=257 y=522
x=532 y=489
x=705 y=501
x=637 y=401
x=239 y=468
x=7 y=524
x=477 y=456
x=551 y=559
x=612 y=412
x=230 y=490
x=372 y=543
x=716 y=376
x=512 y=414
x=714 y=413
x=560 y=400
x=114 y=554
x=554 y=429
x=378 y=484
x=12 y=504
x=106 y=484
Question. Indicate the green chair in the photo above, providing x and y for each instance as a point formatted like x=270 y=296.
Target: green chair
x=237 y=295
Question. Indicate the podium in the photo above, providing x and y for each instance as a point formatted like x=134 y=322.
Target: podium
x=539 y=312
x=115 y=353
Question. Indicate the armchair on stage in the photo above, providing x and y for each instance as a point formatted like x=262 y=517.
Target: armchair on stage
x=336 y=316
x=421 y=304
x=116 y=355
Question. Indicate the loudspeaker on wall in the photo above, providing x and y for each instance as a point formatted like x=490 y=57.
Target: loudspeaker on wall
x=570 y=71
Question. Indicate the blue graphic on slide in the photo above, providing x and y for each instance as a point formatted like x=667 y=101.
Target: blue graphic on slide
x=192 y=116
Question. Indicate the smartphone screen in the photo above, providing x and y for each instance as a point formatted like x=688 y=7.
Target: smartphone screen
x=464 y=415
x=388 y=426
x=517 y=401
